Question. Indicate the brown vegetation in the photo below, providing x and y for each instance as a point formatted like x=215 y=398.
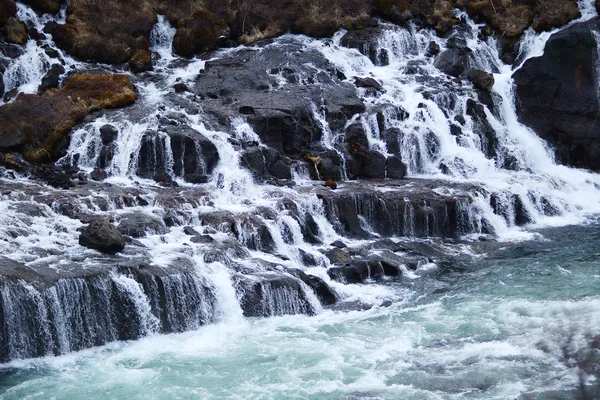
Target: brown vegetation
x=39 y=124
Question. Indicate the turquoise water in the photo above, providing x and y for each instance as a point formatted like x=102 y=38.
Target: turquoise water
x=468 y=330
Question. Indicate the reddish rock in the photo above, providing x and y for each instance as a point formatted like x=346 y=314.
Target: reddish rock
x=39 y=124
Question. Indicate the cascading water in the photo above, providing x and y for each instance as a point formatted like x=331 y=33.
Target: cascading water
x=241 y=230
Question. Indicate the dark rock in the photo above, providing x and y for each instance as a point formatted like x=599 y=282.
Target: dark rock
x=326 y=295
x=339 y=244
x=196 y=178
x=365 y=163
x=162 y=177
x=15 y=31
x=180 y=87
x=98 y=174
x=108 y=133
x=369 y=83
x=8 y=9
x=188 y=230
x=102 y=236
x=395 y=168
x=433 y=49
x=481 y=79
x=453 y=61
x=138 y=224
x=53 y=176
x=141 y=61
x=202 y=239
x=482 y=127
x=556 y=95
x=355 y=133
x=357 y=271
x=46 y=6
x=366 y=41
x=337 y=256
x=52 y=78
x=107 y=152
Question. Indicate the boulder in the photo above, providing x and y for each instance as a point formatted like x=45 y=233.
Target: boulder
x=98 y=175
x=141 y=61
x=39 y=124
x=480 y=79
x=138 y=224
x=557 y=97
x=453 y=61
x=52 y=78
x=395 y=167
x=365 y=163
x=102 y=236
x=366 y=42
x=368 y=83
x=15 y=31
x=108 y=134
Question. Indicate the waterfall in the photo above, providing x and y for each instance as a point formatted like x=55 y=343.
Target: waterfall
x=240 y=229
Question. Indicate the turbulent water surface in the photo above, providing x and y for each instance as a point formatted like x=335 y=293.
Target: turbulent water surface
x=469 y=331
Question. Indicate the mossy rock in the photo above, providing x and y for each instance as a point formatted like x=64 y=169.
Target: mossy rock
x=39 y=125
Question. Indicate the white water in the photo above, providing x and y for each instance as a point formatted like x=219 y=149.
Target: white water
x=334 y=354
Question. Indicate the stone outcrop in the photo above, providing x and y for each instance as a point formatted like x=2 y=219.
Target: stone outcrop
x=39 y=124
x=557 y=97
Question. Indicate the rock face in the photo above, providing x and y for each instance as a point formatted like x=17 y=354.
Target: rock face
x=15 y=31
x=39 y=124
x=557 y=95
x=102 y=236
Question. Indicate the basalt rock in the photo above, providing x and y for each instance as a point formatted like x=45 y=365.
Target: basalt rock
x=102 y=236
x=39 y=124
x=138 y=224
x=556 y=95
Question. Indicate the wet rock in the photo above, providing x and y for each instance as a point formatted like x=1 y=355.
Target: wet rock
x=196 y=178
x=12 y=161
x=556 y=95
x=162 y=177
x=482 y=127
x=433 y=49
x=337 y=256
x=365 y=163
x=355 y=133
x=180 y=87
x=15 y=31
x=108 y=134
x=326 y=295
x=98 y=175
x=102 y=236
x=339 y=244
x=53 y=176
x=356 y=271
x=368 y=83
x=39 y=124
x=272 y=294
x=138 y=224
x=105 y=156
x=481 y=79
x=395 y=167
x=52 y=78
x=453 y=61
x=202 y=239
x=366 y=42
x=141 y=61
x=199 y=33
